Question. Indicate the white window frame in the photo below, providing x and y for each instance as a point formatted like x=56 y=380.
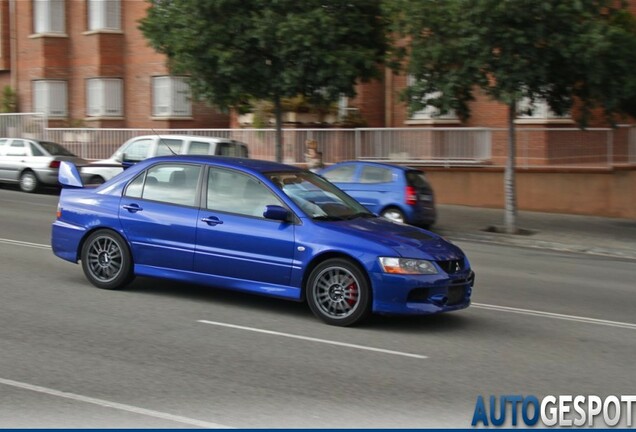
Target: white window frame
x=104 y=97
x=540 y=111
x=171 y=97
x=49 y=16
x=51 y=98
x=430 y=113
x=104 y=15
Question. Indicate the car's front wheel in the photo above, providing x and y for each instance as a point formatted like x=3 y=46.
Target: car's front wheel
x=29 y=182
x=106 y=260
x=338 y=292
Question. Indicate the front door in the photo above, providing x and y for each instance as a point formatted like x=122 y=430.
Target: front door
x=234 y=240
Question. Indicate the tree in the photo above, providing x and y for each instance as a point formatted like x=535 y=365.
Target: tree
x=236 y=50
x=568 y=53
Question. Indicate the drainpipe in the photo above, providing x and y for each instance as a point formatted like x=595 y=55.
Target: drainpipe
x=14 y=46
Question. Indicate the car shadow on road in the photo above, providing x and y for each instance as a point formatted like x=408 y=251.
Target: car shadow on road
x=245 y=301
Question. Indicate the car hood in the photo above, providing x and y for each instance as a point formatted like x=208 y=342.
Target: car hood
x=405 y=240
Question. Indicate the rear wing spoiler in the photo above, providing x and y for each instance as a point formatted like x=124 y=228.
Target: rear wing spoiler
x=69 y=176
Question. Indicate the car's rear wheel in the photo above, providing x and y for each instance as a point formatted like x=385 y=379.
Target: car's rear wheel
x=106 y=260
x=393 y=214
x=29 y=182
x=338 y=292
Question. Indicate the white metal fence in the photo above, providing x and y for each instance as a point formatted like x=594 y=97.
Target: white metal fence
x=23 y=125
x=571 y=147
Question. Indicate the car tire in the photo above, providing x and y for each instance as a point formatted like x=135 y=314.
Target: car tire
x=29 y=182
x=106 y=260
x=338 y=292
x=96 y=180
x=393 y=214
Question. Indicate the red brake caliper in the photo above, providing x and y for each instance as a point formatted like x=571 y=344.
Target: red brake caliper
x=353 y=291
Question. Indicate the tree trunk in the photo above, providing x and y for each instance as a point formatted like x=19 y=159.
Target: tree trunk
x=510 y=193
x=278 y=113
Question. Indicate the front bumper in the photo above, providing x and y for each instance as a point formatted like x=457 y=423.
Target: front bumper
x=421 y=294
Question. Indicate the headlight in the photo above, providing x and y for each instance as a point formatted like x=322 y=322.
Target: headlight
x=407 y=266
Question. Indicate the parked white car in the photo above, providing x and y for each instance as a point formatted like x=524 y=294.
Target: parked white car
x=146 y=146
x=33 y=163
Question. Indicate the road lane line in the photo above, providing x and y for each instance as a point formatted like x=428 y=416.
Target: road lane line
x=555 y=316
x=23 y=243
x=115 y=405
x=311 y=339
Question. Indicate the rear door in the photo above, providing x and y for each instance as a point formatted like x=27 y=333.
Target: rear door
x=377 y=188
x=158 y=213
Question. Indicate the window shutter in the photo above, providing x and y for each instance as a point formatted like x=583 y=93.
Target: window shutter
x=57 y=16
x=181 y=97
x=113 y=96
x=113 y=14
x=57 y=99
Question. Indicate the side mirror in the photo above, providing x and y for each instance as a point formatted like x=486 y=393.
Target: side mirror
x=119 y=157
x=276 y=212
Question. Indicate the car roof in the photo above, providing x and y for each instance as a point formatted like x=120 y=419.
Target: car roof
x=372 y=163
x=224 y=161
x=188 y=137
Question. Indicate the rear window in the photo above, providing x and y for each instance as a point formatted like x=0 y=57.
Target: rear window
x=54 y=149
x=417 y=179
x=231 y=149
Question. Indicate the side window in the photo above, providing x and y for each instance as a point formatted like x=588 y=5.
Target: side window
x=199 y=148
x=168 y=183
x=342 y=174
x=137 y=150
x=166 y=147
x=234 y=192
x=17 y=148
x=135 y=187
x=35 y=151
x=372 y=174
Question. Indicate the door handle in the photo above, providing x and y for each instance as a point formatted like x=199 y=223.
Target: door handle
x=212 y=220
x=132 y=208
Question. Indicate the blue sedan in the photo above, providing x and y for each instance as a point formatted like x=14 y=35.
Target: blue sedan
x=259 y=227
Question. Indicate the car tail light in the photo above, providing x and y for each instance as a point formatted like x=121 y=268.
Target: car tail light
x=411 y=195
x=54 y=164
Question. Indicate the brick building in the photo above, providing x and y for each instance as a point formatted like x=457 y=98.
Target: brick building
x=87 y=60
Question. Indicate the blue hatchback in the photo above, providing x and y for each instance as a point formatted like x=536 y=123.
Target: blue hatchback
x=399 y=193
x=258 y=227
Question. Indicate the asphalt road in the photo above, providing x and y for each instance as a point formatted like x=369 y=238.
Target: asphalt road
x=171 y=355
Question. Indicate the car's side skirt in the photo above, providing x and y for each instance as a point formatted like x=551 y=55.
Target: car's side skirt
x=263 y=288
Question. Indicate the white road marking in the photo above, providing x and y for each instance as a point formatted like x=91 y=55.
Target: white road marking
x=23 y=243
x=115 y=405
x=311 y=339
x=555 y=316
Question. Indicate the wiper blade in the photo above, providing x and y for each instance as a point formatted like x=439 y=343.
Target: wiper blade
x=328 y=218
x=364 y=215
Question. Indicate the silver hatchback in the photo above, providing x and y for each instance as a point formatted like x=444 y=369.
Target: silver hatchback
x=32 y=163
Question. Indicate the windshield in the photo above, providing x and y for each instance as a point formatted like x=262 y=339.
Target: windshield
x=54 y=149
x=318 y=198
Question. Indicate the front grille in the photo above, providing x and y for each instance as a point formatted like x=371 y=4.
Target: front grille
x=455 y=294
x=451 y=266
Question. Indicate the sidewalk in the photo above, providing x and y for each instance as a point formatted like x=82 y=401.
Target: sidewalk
x=573 y=233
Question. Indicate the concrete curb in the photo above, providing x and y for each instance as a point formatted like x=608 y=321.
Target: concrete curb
x=520 y=241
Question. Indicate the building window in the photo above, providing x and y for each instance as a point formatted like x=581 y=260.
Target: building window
x=104 y=14
x=49 y=16
x=540 y=110
x=50 y=97
x=171 y=97
x=104 y=97
x=429 y=112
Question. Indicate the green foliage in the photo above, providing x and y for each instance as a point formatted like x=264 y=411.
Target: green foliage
x=9 y=100
x=236 y=50
x=561 y=51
